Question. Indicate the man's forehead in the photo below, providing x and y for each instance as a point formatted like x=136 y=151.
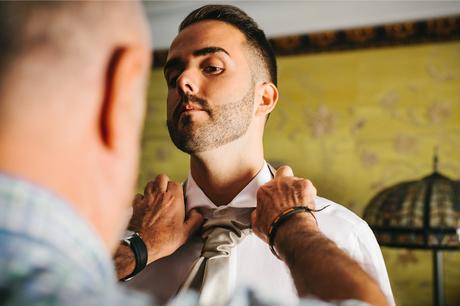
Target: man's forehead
x=204 y=34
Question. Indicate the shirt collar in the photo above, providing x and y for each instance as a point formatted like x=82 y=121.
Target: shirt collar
x=195 y=197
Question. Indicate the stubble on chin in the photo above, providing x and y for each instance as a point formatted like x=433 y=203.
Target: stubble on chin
x=225 y=124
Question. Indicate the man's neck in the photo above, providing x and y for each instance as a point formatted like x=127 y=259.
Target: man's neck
x=54 y=168
x=223 y=172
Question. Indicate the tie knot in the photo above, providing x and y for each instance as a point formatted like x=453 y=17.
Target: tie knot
x=222 y=214
x=220 y=236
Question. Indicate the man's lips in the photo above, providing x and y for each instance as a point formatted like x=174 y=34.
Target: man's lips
x=189 y=108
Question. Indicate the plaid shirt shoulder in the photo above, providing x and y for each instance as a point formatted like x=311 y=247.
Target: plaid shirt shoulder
x=49 y=255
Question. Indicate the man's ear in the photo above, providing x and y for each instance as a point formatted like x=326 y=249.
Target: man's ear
x=267 y=96
x=122 y=107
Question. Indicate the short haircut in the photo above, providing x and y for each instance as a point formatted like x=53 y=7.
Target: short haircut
x=236 y=17
x=28 y=25
x=68 y=31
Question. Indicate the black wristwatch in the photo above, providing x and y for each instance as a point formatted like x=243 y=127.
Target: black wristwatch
x=137 y=245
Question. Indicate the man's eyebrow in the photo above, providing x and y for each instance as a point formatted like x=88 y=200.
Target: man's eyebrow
x=209 y=50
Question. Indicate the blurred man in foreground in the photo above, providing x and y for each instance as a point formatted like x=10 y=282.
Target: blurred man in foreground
x=222 y=86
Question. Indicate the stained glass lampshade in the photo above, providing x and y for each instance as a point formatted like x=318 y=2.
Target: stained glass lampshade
x=421 y=214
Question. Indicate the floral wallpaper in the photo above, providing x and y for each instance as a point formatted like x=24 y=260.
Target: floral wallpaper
x=354 y=122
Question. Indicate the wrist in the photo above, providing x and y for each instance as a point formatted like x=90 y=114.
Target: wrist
x=300 y=224
x=152 y=248
x=153 y=254
x=139 y=250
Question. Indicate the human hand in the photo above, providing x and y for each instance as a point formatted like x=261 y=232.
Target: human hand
x=159 y=217
x=278 y=195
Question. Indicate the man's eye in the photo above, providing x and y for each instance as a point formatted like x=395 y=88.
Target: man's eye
x=213 y=69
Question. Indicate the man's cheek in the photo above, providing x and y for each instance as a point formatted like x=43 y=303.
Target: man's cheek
x=169 y=110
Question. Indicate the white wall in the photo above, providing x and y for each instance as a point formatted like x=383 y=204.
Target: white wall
x=295 y=17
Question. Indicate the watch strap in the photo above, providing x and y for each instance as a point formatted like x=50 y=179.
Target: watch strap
x=137 y=245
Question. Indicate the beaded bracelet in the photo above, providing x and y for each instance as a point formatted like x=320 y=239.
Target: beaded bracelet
x=283 y=217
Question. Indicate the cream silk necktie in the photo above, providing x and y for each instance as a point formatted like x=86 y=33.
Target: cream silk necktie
x=213 y=274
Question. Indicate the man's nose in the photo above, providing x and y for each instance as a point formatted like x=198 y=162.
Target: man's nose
x=187 y=83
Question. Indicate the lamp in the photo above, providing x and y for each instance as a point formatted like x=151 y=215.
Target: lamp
x=423 y=214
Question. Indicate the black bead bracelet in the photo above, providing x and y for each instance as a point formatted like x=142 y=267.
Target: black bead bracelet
x=282 y=218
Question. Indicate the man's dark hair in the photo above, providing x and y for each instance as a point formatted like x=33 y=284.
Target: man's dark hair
x=236 y=17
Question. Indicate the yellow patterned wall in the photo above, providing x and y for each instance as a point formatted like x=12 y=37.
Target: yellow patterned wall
x=354 y=122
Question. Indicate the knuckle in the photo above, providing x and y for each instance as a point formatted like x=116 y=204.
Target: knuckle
x=163 y=177
x=149 y=199
x=297 y=184
x=172 y=184
x=260 y=191
x=304 y=183
x=262 y=196
x=148 y=186
x=301 y=185
x=175 y=185
x=311 y=188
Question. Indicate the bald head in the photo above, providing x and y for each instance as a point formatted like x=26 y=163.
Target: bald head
x=66 y=29
x=70 y=41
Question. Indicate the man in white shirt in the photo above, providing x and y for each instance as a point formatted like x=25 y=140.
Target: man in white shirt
x=221 y=75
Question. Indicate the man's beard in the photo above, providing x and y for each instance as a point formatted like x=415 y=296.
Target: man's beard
x=226 y=123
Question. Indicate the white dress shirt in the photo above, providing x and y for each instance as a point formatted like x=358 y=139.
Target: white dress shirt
x=256 y=266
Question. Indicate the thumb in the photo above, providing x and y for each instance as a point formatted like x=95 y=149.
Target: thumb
x=284 y=171
x=193 y=222
x=255 y=229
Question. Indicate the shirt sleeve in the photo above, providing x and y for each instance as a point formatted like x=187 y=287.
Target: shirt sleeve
x=372 y=260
